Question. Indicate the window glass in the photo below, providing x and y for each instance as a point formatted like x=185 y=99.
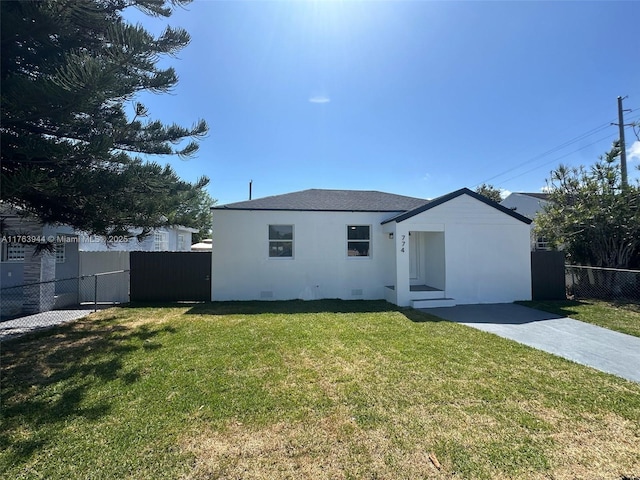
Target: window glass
x=358 y=240
x=281 y=241
x=160 y=242
x=280 y=232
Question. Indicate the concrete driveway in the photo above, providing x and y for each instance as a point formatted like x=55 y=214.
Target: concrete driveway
x=20 y=326
x=587 y=344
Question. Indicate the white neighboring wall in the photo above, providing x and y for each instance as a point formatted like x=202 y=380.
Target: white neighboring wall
x=176 y=239
x=319 y=268
x=529 y=207
x=524 y=204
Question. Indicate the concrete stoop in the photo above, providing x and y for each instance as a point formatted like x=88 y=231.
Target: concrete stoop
x=433 y=303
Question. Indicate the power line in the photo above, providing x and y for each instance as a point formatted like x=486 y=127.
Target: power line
x=610 y=136
x=552 y=150
x=563 y=145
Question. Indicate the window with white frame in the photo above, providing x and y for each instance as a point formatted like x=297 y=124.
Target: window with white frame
x=281 y=241
x=181 y=242
x=12 y=252
x=160 y=241
x=542 y=243
x=359 y=240
x=60 y=252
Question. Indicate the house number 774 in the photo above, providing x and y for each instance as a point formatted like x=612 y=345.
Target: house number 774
x=403 y=243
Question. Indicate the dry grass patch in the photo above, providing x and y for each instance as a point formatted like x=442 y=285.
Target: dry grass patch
x=601 y=446
x=336 y=447
x=332 y=447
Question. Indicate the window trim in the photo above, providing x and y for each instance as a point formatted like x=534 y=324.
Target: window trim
x=292 y=241
x=369 y=241
x=542 y=243
x=164 y=242
x=5 y=253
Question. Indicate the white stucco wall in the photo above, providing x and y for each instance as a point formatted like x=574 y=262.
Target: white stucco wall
x=487 y=252
x=320 y=267
x=475 y=252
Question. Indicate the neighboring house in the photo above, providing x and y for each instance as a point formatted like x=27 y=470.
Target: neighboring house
x=529 y=204
x=164 y=239
x=21 y=263
x=460 y=248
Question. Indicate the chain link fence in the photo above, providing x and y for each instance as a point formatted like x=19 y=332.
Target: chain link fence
x=42 y=304
x=602 y=283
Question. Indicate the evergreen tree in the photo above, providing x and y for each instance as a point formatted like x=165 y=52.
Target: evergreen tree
x=591 y=215
x=69 y=151
x=196 y=211
x=490 y=192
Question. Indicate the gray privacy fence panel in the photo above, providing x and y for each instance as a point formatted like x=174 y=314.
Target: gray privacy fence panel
x=170 y=276
x=109 y=288
x=547 y=275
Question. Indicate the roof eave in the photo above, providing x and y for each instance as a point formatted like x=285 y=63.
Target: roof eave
x=450 y=196
x=303 y=210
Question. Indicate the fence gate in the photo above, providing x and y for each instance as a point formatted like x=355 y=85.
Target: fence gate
x=170 y=276
x=547 y=275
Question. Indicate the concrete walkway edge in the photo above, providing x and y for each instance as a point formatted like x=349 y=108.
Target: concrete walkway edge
x=586 y=344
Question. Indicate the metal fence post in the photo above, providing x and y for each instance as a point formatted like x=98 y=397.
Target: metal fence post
x=573 y=281
x=95 y=293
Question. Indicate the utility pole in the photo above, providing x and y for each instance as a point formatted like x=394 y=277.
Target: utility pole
x=623 y=151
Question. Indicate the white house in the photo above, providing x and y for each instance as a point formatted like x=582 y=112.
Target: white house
x=162 y=239
x=529 y=204
x=460 y=248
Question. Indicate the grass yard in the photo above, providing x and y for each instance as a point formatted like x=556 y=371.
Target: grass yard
x=622 y=317
x=329 y=389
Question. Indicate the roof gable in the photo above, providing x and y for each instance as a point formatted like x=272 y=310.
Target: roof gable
x=450 y=196
x=330 y=200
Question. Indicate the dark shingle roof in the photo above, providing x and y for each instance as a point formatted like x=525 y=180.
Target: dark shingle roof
x=450 y=196
x=359 y=201
x=330 y=200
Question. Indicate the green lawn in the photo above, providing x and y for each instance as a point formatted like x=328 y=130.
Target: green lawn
x=622 y=317
x=330 y=389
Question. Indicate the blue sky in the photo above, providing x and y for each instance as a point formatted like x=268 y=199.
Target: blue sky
x=417 y=98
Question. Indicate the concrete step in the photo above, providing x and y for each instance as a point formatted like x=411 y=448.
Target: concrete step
x=433 y=303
